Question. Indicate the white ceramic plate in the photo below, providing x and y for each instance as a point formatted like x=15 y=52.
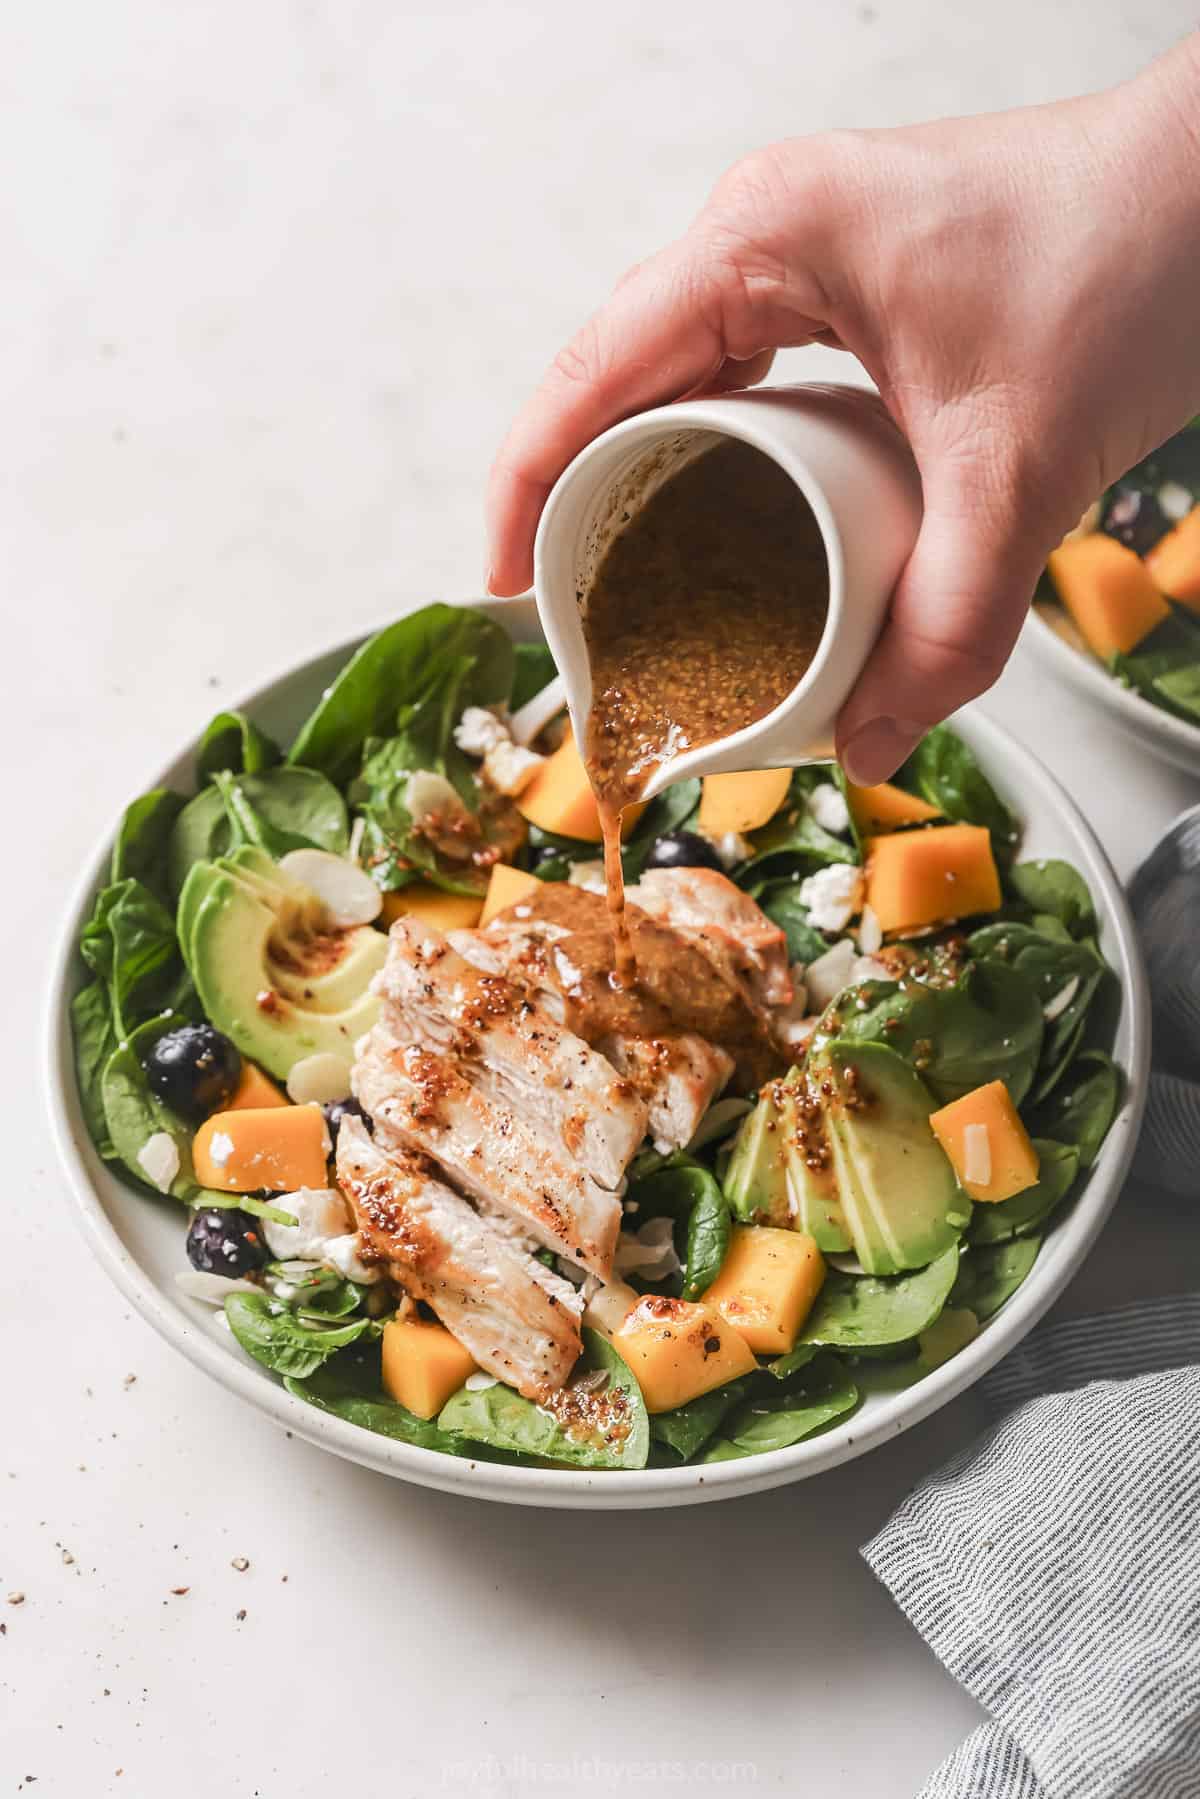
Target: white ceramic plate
x=1158 y=731
x=140 y=1240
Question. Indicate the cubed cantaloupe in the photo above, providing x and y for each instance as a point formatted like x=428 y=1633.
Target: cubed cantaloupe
x=877 y=810
x=560 y=799
x=1174 y=562
x=273 y=1149
x=254 y=1092
x=918 y=878
x=987 y=1143
x=742 y=802
x=678 y=1349
x=1109 y=592
x=423 y=1364
x=505 y=888
x=447 y=911
x=767 y=1286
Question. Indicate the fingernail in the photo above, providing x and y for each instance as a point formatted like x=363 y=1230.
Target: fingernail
x=877 y=749
x=488 y=578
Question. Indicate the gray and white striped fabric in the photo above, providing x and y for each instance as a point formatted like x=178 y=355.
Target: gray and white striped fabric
x=1054 y=1567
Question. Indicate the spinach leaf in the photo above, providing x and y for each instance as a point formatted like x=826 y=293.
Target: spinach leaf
x=395 y=853
x=777 y=1420
x=233 y=742
x=991 y=1273
x=348 y=1386
x=1180 y=688
x=453 y=655
x=533 y=669
x=140 y=847
x=133 y=1114
x=781 y=902
x=986 y=1027
x=1051 y=887
x=857 y=1311
x=274 y=1336
x=950 y=1332
x=501 y=1418
x=1050 y=966
x=1082 y=1106
x=130 y=943
x=945 y=772
x=95 y=1040
x=687 y=1428
x=687 y=1192
x=1016 y=1217
x=320 y=1293
x=673 y=810
x=793 y=842
x=292 y=806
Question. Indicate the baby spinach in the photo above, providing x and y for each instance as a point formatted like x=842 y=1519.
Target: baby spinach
x=944 y=771
x=95 y=1040
x=321 y=1293
x=503 y=1419
x=986 y=1027
x=781 y=902
x=133 y=1114
x=1082 y=1106
x=444 y=656
x=687 y=1192
x=233 y=742
x=348 y=1386
x=1054 y=889
x=687 y=1428
x=992 y=1272
x=140 y=846
x=533 y=669
x=857 y=1311
x=950 y=1332
x=793 y=842
x=283 y=1342
x=1016 y=1217
x=130 y=943
x=776 y=1420
x=1050 y=965
x=288 y=808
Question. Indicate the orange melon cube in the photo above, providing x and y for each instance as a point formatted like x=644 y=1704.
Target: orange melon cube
x=423 y=1364
x=254 y=1092
x=767 y=1286
x=506 y=888
x=877 y=810
x=1109 y=591
x=560 y=799
x=987 y=1144
x=276 y=1149
x=1174 y=562
x=447 y=911
x=742 y=802
x=918 y=878
x=678 y=1349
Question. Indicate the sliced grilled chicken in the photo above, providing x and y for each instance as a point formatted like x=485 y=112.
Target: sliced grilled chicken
x=487 y=1149
x=731 y=927
x=678 y=1077
x=510 y=1048
x=518 y=1319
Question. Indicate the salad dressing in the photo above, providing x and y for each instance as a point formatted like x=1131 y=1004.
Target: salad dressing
x=704 y=613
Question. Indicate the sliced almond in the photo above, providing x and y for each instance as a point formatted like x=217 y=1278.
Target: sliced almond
x=319 y=1080
x=349 y=895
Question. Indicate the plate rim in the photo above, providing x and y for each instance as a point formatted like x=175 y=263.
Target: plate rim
x=1007 y=760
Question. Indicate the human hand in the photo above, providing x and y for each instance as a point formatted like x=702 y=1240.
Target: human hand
x=1021 y=288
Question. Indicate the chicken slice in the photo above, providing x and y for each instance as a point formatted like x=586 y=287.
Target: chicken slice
x=423 y=1100
x=519 y=1320
x=510 y=1048
x=678 y=1077
x=726 y=923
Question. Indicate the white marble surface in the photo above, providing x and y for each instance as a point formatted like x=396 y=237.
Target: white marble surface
x=273 y=278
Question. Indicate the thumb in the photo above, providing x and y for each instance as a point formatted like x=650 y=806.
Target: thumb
x=954 y=618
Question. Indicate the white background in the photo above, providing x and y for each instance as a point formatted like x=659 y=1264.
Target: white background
x=272 y=278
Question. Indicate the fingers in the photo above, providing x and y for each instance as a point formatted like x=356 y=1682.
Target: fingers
x=953 y=621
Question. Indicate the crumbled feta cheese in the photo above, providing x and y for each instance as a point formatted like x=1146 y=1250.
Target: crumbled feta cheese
x=220 y=1148
x=159 y=1159
x=977 y=1155
x=870 y=932
x=321 y=1232
x=588 y=875
x=649 y=1252
x=479 y=731
x=826 y=977
x=510 y=768
x=1174 y=501
x=732 y=848
x=832 y=896
x=829 y=808
x=1055 y=1007
x=342 y=1253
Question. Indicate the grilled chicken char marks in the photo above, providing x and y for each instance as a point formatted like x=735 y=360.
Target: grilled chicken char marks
x=488 y=1150
x=515 y=1317
x=510 y=1048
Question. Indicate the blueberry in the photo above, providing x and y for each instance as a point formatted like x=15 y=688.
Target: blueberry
x=225 y=1241
x=193 y=1070
x=1135 y=518
x=683 y=849
x=344 y=1108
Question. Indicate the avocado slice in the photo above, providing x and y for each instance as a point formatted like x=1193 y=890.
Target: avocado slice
x=234 y=939
x=781 y=1171
x=902 y=1204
